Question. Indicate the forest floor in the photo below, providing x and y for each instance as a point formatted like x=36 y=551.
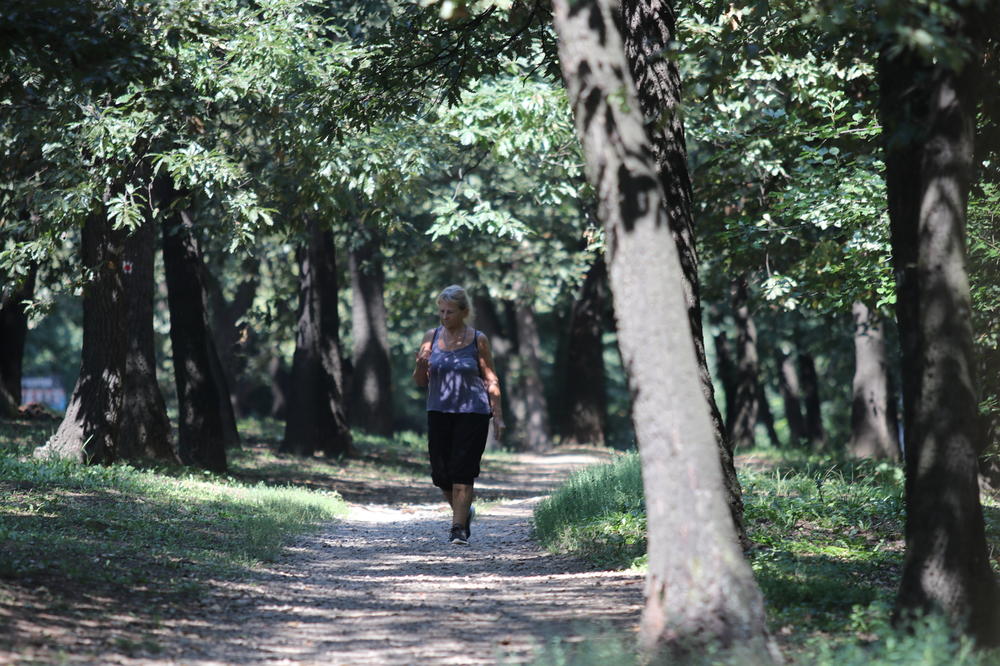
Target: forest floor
x=380 y=586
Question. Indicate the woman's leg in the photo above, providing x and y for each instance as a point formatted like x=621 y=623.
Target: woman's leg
x=461 y=500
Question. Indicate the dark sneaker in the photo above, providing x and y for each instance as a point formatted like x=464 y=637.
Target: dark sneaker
x=468 y=521
x=459 y=536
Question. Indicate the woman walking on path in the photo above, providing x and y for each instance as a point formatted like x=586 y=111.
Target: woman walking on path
x=455 y=364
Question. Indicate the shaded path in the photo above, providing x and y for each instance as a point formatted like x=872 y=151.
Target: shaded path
x=384 y=587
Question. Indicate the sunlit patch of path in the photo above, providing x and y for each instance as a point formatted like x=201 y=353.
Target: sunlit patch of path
x=383 y=586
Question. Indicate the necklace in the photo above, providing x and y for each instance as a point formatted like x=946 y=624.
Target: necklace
x=451 y=341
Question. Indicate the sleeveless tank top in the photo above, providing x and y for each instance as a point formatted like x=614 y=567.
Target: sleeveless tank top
x=455 y=385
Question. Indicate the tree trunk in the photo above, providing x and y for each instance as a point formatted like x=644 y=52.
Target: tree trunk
x=815 y=433
x=206 y=425
x=585 y=406
x=316 y=417
x=280 y=380
x=230 y=338
x=726 y=369
x=928 y=113
x=504 y=348
x=743 y=417
x=533 y=424
x=791 y=396
x=371 y=395
x=765 y=417
x=694 y=554
x=145 y=430
x=90 y=429
x=873 y=433
x=649 y=29
x=13 y=333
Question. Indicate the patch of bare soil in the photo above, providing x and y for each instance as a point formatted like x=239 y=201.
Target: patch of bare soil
x=383 y=586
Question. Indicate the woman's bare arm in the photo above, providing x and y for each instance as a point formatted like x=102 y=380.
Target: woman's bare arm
x=421 y=371
x=492 y=384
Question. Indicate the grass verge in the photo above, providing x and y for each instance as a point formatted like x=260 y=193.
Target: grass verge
x=76 y=537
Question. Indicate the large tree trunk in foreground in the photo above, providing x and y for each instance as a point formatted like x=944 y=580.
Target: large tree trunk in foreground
x=873 y=431
x=699 y=590
x=371 y=394
x=743 y=416
x=585 y=406
x=145 y=430
x=206 y=425
x=90 y=429
x=316 y=417
x=13 y=333
x=649 y=29
x=928 y=114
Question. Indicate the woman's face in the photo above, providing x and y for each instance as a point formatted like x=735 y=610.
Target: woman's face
x=451 y=315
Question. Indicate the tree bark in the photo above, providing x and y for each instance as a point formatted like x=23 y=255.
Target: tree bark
x=280 y=380
x=873 y=431
x=726 y=369
x=90 y=429
x=230 y=338
x=534 y=433
x=928 y=113
x=13 y=334
x=694 y=554
x=743 y=417
x=316 y=417
x=791 y=397
x=145 y=432
x=649 y=29
x=765 y=417
x=206 y=425
x=585 y=407
x=371 y=395
x=815 y=433
x=501 y=332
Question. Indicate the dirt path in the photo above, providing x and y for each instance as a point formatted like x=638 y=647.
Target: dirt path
x=383 y=586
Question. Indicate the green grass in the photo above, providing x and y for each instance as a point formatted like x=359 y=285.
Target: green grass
x=127 y=533
x=598 y=513
x=828 y=548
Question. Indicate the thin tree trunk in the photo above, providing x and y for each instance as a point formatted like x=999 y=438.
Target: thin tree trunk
x=585 y=405
x=316 y=417
x=13 y=334
x=743 y=417
x=504 y=348
x=873 y=434
x=928 y=113
x=229 y=337
x=206 y=424
x=534 y=431
x=694 y=554
x=280 y=387
x=765 y=417
x=90 y=429
x=649 y=29
x=791 y=396
x=145 y=432
x=815 y=433
x=371 y=395
x=726 y=369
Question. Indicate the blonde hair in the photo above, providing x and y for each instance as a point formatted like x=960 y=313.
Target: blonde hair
x=457 y=295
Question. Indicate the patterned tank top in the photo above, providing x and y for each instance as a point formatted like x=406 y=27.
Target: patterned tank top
x=455 y=385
